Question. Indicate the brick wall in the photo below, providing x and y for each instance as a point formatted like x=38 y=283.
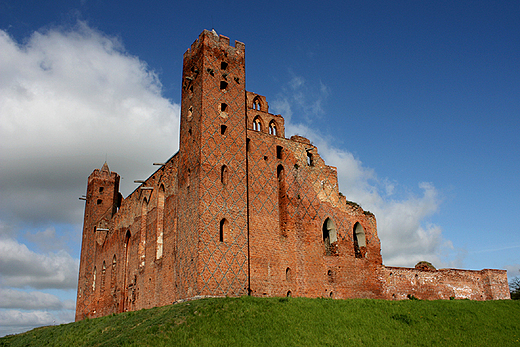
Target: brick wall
x=240 y=209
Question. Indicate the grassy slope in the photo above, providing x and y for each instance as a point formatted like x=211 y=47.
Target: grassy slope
x=293 y=322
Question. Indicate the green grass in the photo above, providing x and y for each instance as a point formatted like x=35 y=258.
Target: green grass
x=249 y=321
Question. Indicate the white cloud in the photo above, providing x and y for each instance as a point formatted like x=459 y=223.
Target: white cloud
x=15 y=299
x=20 y=267
x=67 y=99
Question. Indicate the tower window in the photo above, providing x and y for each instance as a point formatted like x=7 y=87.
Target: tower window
x=101 y=189
x=190 y=112
x=223 y=65
x=223 y=107
x=224 y=174
x=99 y=201
x=224 y=229
x=279 y=152
x=223 y=85
x=223 y=129
x=310 y=160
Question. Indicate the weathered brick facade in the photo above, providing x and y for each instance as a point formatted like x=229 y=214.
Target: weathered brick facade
x=240 y=209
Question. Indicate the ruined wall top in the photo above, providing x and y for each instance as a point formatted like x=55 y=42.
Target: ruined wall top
x=212 y=39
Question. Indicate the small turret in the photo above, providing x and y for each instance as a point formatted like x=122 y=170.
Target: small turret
x=102 y=195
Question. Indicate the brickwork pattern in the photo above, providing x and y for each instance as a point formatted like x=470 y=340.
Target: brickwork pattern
x=240 y=209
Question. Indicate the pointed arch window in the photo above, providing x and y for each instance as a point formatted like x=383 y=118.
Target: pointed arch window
x=160 y=223
x=142 y=242
x=256 y=103
x=329 y=235
x=257 y=124
x=103 y=274
x=94 y=280
x=272 y=128
x=360 y=245
x=113 y=271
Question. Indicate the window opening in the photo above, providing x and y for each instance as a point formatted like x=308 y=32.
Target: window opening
x=160 y=223
x=223 y=65
x=223 y=85
x=288 y=274
x=257 y=124
x=224 y=229
x=103 y=274
x=223 y=129
x=310 y=160
x=101 y=189
x=94 y=280
x=256 y=103
x=210 y=71
x=99 y=201
x=142 y=242
x=237 y=80
x=329 y=236
x=248 y=145
x=190 y=112
x=272 y=128
x=360 y=246
x=224 y=175
x=223 y=107
x=279 y=152
x=188 y=179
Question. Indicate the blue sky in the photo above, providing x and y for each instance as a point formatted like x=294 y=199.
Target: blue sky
x=417 y=103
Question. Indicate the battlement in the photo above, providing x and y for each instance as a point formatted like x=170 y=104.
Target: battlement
x=212 y=39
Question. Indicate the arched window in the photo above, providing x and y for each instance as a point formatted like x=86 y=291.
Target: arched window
x=257 y=124
x=224 y=229
x=224 y=175
x=103 y=274
x=272 y=128
x=256 y=103
x=142 y=242
x=360 y=246
x=160 y=226
x=113 y=271
x=94 y=280
x=329 y=235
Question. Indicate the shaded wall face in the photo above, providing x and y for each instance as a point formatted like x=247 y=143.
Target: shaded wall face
x=129 y=274
x=290 y=201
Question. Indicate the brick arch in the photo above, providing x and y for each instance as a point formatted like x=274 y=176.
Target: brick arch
x=258 y=124
x=273 y=128
x=359 y=236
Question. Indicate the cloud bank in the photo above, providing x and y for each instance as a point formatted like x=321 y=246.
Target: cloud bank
x=69 y=99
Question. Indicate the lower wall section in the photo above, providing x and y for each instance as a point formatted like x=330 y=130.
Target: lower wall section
x=399 y=283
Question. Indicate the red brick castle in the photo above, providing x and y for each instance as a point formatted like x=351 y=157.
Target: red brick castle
x=240 y=210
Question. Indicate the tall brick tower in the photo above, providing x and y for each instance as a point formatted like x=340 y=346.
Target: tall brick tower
x=102 y=202
x=213 y=231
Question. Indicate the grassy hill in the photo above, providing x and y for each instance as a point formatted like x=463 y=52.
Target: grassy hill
x=249 y=321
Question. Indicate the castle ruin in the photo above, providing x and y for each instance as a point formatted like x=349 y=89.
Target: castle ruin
x=241 y=210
